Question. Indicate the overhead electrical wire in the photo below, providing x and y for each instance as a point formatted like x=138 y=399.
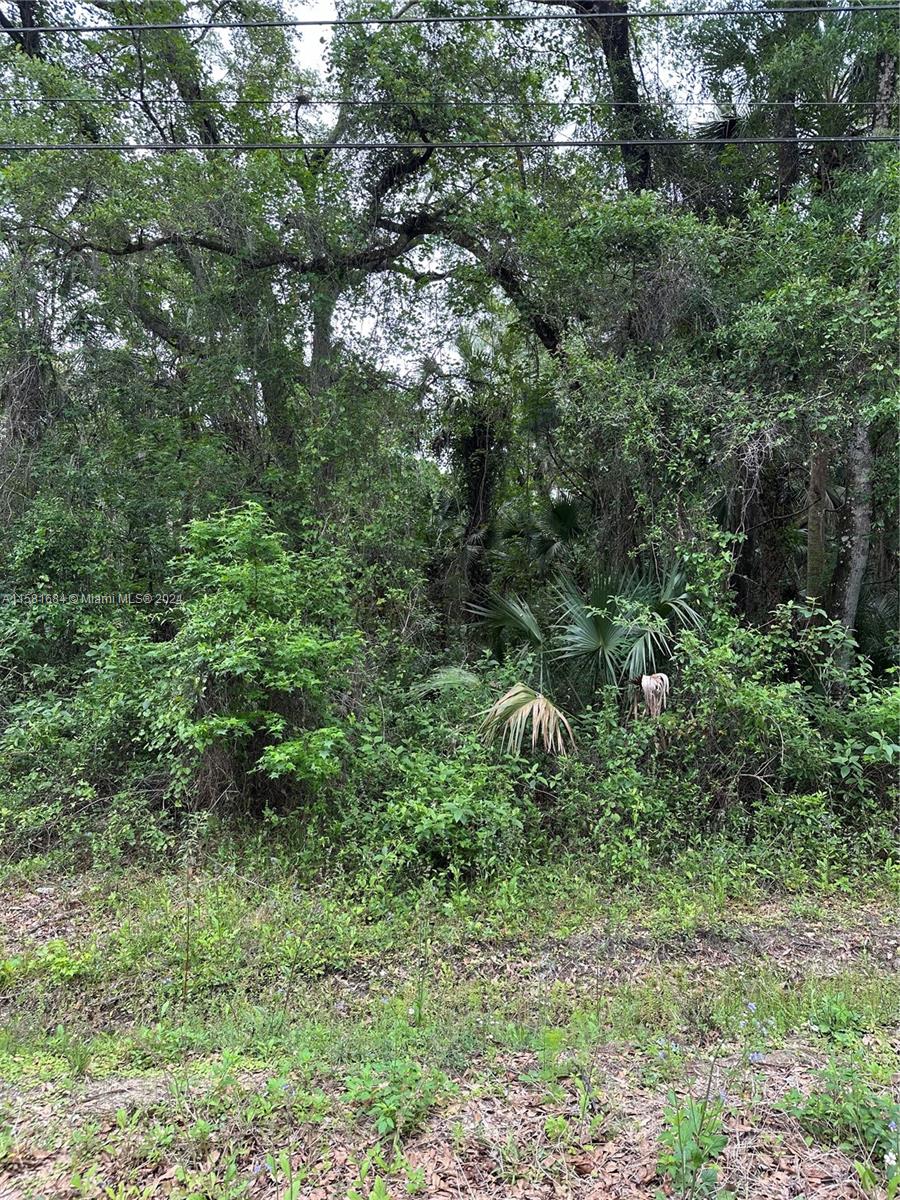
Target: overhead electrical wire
x=527 y=144
x=302 y=100
x=305 y=101
x=452 y=19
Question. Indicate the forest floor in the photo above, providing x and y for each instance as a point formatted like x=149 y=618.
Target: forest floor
x=212 y=1036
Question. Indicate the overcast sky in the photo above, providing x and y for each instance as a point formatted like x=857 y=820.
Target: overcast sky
x=309 y=44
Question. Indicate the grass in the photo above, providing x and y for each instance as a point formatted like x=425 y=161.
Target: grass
x=455 y=1021
x=262 y=1030
x=246 y=963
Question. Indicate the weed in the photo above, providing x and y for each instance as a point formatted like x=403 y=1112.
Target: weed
x=378 y=1189
x=458 y=1135
x=288 y=1180
x=664 y=1064
x=847 y=1113
x=75 y=1052
x=556 y=1129
x=835 y=1020
x=692 y=1139
x=396 y=1095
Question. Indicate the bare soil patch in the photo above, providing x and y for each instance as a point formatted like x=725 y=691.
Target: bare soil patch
x=32 y=916
x=600 y=958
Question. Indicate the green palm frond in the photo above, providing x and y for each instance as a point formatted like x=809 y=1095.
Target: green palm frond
x=648 y=648
x=751 y=121
x=625 y=625
x=724 y=127
x=588 y=629
x=545 y=530
x=667 y=607
x=445 y=679
x=674 y=600
x=560 y=520
x=509 y=716
x=510 y=615
x=558 y=526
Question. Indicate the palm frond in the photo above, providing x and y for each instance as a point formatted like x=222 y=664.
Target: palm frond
x=512 y=616
x=673 y=600
x=545 y=530
x=558 y=526
x=718 y=128
x=561 y=519
x=445 y=679
x=588 y=630
x=625 y=625
x=509 y=716
x=667 y=606
x=751 y=120
x=649 y=647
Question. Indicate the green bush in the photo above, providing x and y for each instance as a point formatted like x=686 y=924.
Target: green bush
x=746 y=731
x=238 y=702
x=264 y=644
x=605 y=796
x=230 y=698
x=435 y=811
x=396 y=1095
x=845 y=1112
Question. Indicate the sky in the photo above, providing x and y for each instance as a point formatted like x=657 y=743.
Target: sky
x=309 y=44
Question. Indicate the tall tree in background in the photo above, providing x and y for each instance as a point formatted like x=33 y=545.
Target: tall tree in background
x=701 y=330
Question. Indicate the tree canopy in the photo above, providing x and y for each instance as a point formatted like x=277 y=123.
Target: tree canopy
x=355 y=416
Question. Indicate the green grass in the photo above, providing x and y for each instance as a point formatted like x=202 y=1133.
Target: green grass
x=204 y=962
x=433 y=1015
x=174 y=934
x=244 y=1007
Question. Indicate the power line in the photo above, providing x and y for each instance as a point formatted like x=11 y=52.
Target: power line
x=305 y=101
x=460 y=19
x=547 y=144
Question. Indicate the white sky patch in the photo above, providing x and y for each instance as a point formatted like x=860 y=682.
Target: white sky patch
x=313 y=42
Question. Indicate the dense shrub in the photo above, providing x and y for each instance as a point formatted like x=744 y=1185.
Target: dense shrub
x=232 y=697
x=238 y=701
x=443 y=812
x=433 y=800
x=263 y=647
x=605 y=796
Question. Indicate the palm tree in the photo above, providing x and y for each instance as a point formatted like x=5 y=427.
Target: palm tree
x=547 y=530
x=621 y=628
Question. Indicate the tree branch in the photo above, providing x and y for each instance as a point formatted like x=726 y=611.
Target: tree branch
x=546 y=330
x=378 y=255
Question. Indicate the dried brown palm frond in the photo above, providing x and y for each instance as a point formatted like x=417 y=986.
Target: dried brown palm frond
x=656 y=692
x=509 y=716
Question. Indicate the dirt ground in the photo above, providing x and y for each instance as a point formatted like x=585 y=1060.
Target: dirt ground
x=488 y=1143
x=505 y=1131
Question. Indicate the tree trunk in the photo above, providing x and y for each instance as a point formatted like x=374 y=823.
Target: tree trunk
x=815 y=525
x=788 y=152
x=858 y=529
x=321 y=359
x=855 y=525
x=276 y=387
x=29 y=16
x=185 y=69
x=885 y=91
x=479 y=458
x=613 y=34
x=29 y=399
x=762 y=562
